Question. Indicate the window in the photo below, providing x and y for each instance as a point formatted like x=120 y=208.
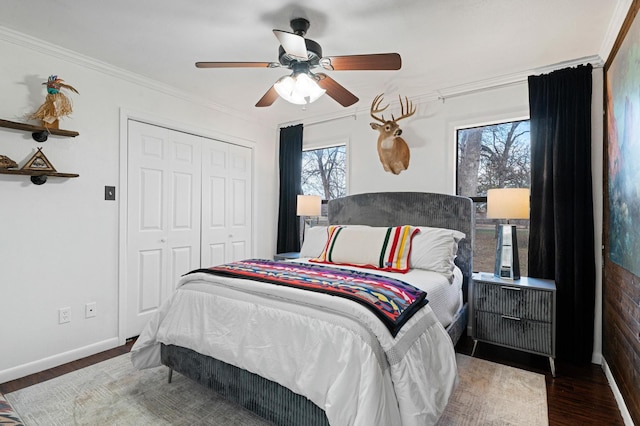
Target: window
x=324 y=173
x=494 y=156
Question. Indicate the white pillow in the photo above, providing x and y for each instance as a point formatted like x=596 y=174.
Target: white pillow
x=315 y=238
x=435 y=249
x=383 y=248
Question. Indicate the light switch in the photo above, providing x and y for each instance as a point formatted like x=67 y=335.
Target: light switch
x=110 y=193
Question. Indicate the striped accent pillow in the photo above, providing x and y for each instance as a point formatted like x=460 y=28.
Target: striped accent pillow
x=382 y=248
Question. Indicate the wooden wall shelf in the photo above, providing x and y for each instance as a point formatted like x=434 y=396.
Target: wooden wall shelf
x=37 y=177
x=39 y=133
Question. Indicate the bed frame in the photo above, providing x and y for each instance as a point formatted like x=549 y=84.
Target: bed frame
x=280 y=405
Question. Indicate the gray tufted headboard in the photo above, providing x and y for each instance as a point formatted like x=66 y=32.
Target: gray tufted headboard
x=412 y=208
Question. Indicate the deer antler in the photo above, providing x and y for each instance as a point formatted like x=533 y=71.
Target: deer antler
x=375 y=108
x=410 y=109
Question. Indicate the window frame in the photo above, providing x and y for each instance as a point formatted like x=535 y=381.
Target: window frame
x=480 y=199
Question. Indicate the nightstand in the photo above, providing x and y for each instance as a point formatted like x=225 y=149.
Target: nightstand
x=518 y=314
x=287 y=256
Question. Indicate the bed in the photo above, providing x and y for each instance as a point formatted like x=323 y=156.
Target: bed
x=301 y=357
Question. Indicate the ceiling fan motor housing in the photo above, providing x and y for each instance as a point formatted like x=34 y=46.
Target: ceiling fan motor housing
x=314 y=52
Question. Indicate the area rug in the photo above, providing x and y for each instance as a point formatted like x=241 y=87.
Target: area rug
x=113 y=392
x=8 y=417
x=496 y=394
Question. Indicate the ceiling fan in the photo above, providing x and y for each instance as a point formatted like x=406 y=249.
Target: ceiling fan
x=301 y=55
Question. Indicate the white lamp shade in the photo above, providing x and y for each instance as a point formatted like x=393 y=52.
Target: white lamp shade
x=298 y=89
x=309 y=205
x=508 y=203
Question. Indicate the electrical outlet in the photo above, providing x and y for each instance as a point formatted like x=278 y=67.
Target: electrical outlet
x=90 y=310
x=64 y=315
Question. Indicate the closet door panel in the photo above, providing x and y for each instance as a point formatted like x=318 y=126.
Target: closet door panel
x=240 y=206
x=216 y=254
x=184 y=200
x=163 y=218
x=215 y=193
x=226 y=233
x=150 y=268
x=182 y=261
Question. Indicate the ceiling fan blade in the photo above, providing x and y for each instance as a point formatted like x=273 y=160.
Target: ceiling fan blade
x=237 y=64
x=336 y=90
x=293 y=44
x=269 y=98
x=377 y=61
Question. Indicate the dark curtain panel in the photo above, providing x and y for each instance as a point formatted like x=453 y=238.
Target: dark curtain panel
x=561 y=239
x=290 y=187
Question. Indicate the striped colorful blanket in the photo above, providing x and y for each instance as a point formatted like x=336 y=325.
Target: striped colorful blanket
x=391 y=300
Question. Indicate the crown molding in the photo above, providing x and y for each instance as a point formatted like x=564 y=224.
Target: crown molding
x=615 y=24
x=79 y=59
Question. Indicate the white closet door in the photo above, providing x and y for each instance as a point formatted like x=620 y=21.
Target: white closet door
x=226 y=203
x=163 y=227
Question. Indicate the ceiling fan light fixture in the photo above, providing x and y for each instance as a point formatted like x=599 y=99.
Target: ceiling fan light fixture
x=299 y=89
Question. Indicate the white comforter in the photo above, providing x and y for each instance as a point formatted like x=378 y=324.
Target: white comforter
x=342 y=358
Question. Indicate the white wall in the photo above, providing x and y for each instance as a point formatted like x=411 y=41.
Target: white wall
x=430 y=134
x=59 y=241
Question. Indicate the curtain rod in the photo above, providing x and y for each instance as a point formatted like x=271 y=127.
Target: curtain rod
x=314 y=123
x=595 y=61
x=480 y=89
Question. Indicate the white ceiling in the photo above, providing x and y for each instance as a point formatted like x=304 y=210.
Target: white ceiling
x=443 y=43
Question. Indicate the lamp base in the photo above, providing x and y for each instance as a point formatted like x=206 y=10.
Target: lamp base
x=507 y=265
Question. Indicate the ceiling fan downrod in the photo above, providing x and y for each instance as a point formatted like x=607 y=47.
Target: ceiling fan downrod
x=300 y=26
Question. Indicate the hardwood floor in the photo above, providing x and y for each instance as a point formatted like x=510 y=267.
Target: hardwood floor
x=579 y=395
x=43 y=376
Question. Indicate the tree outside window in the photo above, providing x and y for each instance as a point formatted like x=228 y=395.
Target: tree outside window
x=494 y=156
x=324 y=172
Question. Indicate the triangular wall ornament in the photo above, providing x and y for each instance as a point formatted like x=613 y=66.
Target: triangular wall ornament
x=39 y=162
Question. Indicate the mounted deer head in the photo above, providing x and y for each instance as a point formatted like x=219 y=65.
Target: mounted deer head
x=392 y=149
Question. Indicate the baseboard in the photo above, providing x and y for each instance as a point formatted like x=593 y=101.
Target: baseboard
x=55 y=360
x=626 y=416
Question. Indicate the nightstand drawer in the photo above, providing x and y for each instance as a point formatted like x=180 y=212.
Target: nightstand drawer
x=514 y=301
x=515 y=332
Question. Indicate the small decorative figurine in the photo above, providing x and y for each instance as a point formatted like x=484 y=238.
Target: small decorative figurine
x=7 y=163
x=56 y=105
x=38 y=162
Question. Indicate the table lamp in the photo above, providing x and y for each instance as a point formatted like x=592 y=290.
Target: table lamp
x=309 y=206
x=507 y=203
